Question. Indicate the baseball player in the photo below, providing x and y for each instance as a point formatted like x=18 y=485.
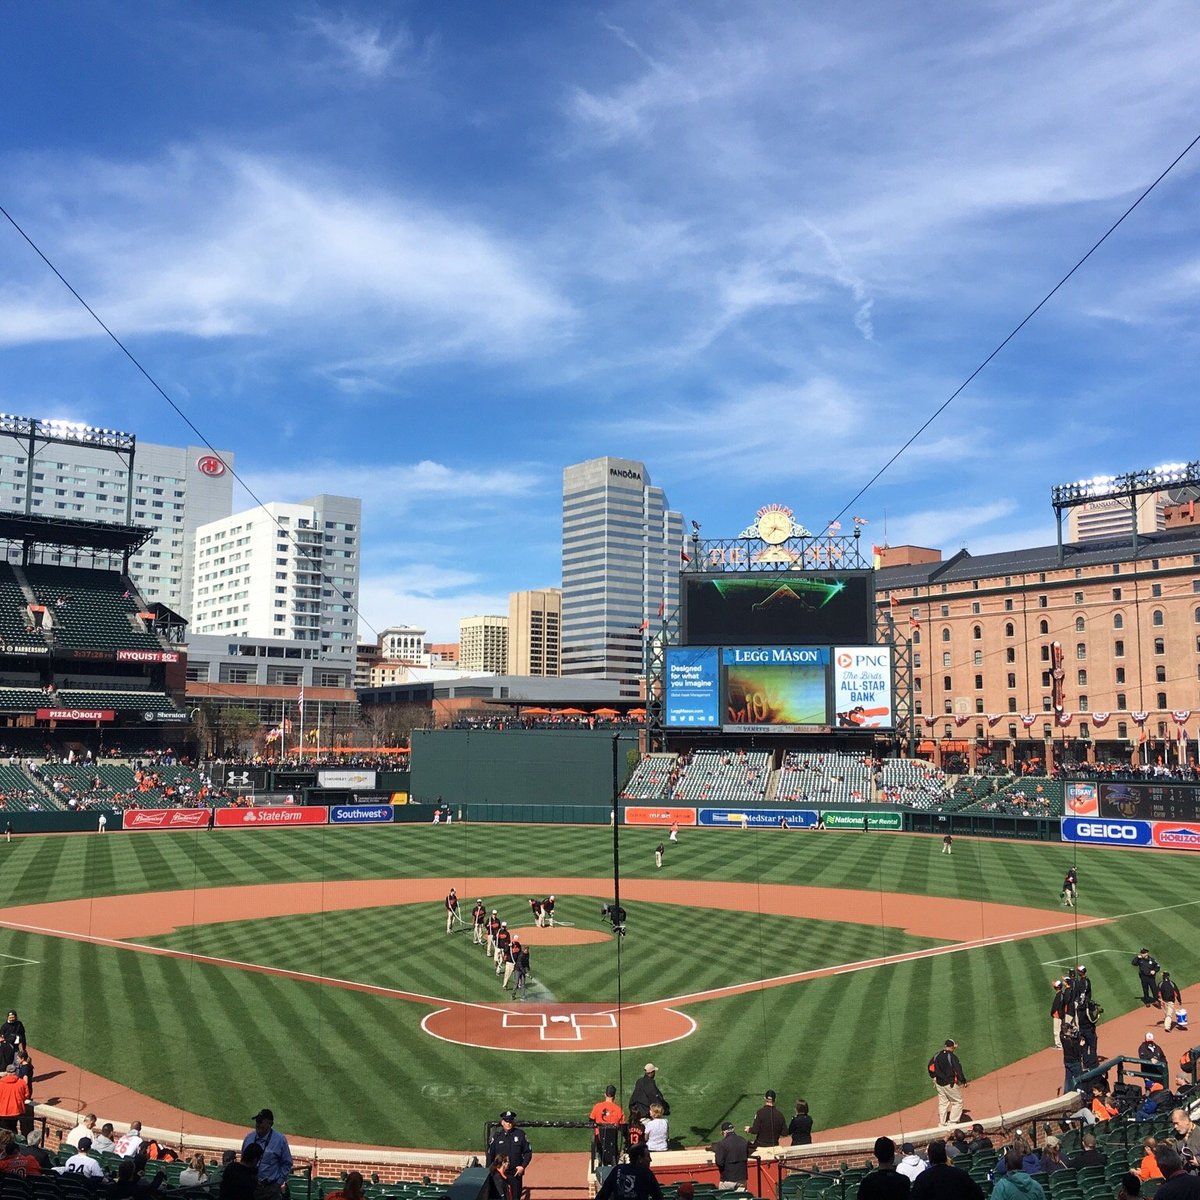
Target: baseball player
x=658 y=855
x=451 y=910
x=478 y=922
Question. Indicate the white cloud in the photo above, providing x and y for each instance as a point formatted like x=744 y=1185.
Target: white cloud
x=363 y=48
x=212 y=243
x=428 y=597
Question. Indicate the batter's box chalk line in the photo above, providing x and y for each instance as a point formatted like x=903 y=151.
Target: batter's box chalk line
x=15 y=961
x=561 y=1027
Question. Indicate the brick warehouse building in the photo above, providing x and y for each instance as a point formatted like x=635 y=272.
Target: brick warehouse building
x=1126 y=620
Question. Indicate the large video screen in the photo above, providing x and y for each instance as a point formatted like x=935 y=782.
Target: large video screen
x=693 y=697
x=775 y=689
x=785 y=609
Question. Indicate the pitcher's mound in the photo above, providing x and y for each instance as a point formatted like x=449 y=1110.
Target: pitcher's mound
x=559 y=935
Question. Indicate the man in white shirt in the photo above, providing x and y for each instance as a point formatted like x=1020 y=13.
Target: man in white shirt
x=86 y=1126
x=129 y=1143
x=83 y=1164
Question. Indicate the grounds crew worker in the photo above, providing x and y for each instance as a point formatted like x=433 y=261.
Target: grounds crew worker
x=949 y=1080
x=478 y=917
x=502 y=940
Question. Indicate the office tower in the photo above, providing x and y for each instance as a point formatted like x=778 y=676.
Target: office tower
x=621 y=558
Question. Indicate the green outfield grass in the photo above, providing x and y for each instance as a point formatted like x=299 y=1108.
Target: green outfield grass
x=337 y=1064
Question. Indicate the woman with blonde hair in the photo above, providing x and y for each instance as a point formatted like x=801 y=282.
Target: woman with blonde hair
x=656 y=1129
x=194 y=1174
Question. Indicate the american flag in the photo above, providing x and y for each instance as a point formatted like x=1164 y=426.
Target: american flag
x=300 y=700
x=834 y=526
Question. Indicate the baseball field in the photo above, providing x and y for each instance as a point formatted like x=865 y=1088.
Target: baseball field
x=310 y=969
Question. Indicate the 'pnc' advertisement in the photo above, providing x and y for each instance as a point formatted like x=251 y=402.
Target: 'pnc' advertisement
x=862 y=687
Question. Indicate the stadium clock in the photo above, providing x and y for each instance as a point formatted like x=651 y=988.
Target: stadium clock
x=774 y=527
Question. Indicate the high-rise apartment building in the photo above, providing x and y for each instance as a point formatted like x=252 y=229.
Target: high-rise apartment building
x=282 y=571
x=621 y=558
x=535 y=632
x=483 y=644
x=175 y=490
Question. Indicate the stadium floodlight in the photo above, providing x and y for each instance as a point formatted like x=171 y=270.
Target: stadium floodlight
x=1132 y=483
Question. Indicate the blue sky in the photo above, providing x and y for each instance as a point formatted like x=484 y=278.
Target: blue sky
x=431 y=253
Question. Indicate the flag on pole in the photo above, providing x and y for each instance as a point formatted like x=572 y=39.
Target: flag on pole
x=684 y=556
x=644 y=626
x=300 y=700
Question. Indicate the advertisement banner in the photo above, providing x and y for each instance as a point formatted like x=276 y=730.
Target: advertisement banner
x=10 y=648
x=849 y=819
x=1083 y=799
x=1105 y=832
x=1177 y=835
x=660 y=816
x=361 y=814
x=356 y=781
x=862 y=687
x=692 y=691
x=288 y=814
x=165 y=818
x=751 y=818
x=148 y=656
x=775 y=689
x=75 y=714
x=161 y=716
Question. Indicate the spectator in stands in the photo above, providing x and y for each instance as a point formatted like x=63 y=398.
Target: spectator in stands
x=14 y=1160
x=14 y=1092
x=657 y=1129
x=957 y=1145
x=1015 y=1183
x=1187 y=1134
x=195 y=1174
x=633 y=1179
x=85 y=1128
x=884 y=1183
x=351 y=1189
x=1052 y=1159
x=276 y=1164
x=912 y=1164
x=131 y=1179
x=33 y=1145
x=801 y=1125
x=239 y=1180
x=1130 y=1187
x=980 y=1143
x=81 y=1164
x=103 y=1142
x=1178 y=1185
x=942 y=1181
x=1089 y=1155
x=130 y=1143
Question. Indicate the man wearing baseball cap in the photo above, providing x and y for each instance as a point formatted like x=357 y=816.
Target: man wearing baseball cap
x=949 y=1081
x=768 y=1125
x=1058 y=1009
x=646 y=1092
x=276 y=1163
x=731 y=1154
x=508 y=1154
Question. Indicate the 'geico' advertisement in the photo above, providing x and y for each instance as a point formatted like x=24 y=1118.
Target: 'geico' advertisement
x=862 y=687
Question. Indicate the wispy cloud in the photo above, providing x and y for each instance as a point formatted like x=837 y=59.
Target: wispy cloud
x=362 y=47
x=213 y=243
x=432 y=598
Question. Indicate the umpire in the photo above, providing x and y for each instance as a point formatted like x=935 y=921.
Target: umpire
x=510 y=1143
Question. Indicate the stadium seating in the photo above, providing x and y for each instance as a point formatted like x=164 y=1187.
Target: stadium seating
x=22 y=794
x=118 y=701
x=820 y=778
x=725 y=776
x=1027 y=795
x=651 y=779
x=90 y=609
x=14 y=609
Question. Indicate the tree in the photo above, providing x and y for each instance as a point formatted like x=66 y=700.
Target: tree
x=235 y=726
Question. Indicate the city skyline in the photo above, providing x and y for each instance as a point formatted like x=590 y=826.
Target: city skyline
x=430 y=258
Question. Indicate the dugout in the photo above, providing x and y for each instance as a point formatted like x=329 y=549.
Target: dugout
x=513 y=767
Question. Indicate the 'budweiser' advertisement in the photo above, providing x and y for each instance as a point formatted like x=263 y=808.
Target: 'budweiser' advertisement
x=165 y=818
x=150 y=656
x=276 y=815
x=75 y=714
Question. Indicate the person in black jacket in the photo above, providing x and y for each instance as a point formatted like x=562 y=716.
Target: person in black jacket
x=801 y=1126
x=1147 y=969
x=646 y=1092
x=13 y=1031
x=886 y=1183
x=1171 y=998
x=731 y=1154
x=632 y=1180
x=948 y=1079
x=768 y=1125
